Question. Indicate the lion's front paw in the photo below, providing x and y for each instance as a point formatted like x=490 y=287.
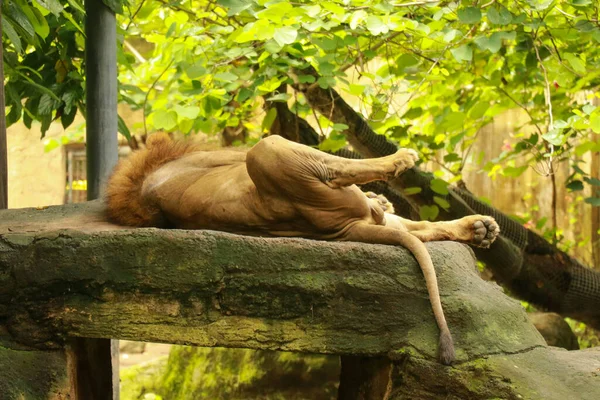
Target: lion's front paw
x=383 y=202
x=485 y=230
x=404 y=159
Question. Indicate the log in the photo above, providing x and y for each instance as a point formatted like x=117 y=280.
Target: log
x=65 y=272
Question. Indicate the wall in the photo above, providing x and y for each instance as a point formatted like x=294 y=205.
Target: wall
x=35 y=177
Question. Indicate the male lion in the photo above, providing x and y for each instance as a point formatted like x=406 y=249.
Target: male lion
x=281 y=188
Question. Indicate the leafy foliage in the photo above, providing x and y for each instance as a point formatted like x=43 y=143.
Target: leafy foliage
x=432 y=73
x=45 y=84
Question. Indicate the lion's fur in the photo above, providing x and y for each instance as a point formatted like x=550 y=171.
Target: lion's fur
x=125 y=204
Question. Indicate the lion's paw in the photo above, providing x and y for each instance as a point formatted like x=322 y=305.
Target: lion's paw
x=383 y=202
x=485 y=230
x=404 y=159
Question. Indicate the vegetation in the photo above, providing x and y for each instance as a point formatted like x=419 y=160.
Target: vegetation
x=219 y=373
x=432 y=73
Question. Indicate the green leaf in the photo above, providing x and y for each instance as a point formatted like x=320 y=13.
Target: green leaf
x=67 y=119
x=122 y=128
x=340 y=127
x=413 y=113
x=356 y=89
x=594 y=201
x=577 y=63
x=226 y=76
x=39 y=22
x=53 y=6
x=540 y=224
x=285 y=35
x=595 y=122
x=406 y=60
x=357 y=18
x=412 y=190
x=326 y=82
x=429 y=212
x=478 y=110
x=441 y=202
x=462 y=53
x=499 y=15
x=20 y=18
x=195 y=71
x=469 y=15
x=166 y=120
x=269 y=119
x=13 y=36
x=46 y=105
x=282 y=97
x=76 y=5
x=51 y=144
x=235 y=6
x=554 y=136
x=592 y=181
x=189 y=112
x=514 y=172
x=376 y=26
x=584 y=26
x=333 y=143
x=306 y=79
x=439 y=186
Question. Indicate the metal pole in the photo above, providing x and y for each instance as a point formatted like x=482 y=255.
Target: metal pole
x=97 y=360
x=101 y=95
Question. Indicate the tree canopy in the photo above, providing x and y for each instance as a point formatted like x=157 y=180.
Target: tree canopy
x=426 y=74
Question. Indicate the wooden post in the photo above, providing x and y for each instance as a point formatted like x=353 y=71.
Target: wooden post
x=365 y=378
x=97 y=360
x=3 y=139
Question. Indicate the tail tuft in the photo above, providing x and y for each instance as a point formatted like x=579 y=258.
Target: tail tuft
x=124 y=200
x=446 y=348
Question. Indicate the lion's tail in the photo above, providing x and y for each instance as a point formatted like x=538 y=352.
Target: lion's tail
x=125 y=204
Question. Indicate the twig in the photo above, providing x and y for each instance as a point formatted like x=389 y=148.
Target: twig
x=565 y=13
x=522 y=106
x=137 y=10
x=547 y=93
x=318 y=122
x=434 y=65
x=134 y=51
x=148 y=94
x=375 y=47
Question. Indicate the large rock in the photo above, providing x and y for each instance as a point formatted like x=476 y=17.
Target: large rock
x=65 y=272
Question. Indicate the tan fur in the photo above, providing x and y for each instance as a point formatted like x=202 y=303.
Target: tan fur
x=125 y=203
x=281 y=188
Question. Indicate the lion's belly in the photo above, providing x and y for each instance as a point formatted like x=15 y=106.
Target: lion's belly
x=221 y=198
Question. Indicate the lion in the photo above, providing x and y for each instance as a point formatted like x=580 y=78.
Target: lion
x=281 y=188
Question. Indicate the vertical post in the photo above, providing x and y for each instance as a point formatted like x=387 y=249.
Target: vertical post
x=3 y=138
x=97 y=359
x=365 y=378
x=101 y=95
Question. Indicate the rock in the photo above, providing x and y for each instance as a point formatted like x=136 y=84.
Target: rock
x=555 y=330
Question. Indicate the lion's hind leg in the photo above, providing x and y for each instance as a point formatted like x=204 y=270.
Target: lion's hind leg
x=476 y=230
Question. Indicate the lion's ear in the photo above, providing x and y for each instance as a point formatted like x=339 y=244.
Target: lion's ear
x=157 y=139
